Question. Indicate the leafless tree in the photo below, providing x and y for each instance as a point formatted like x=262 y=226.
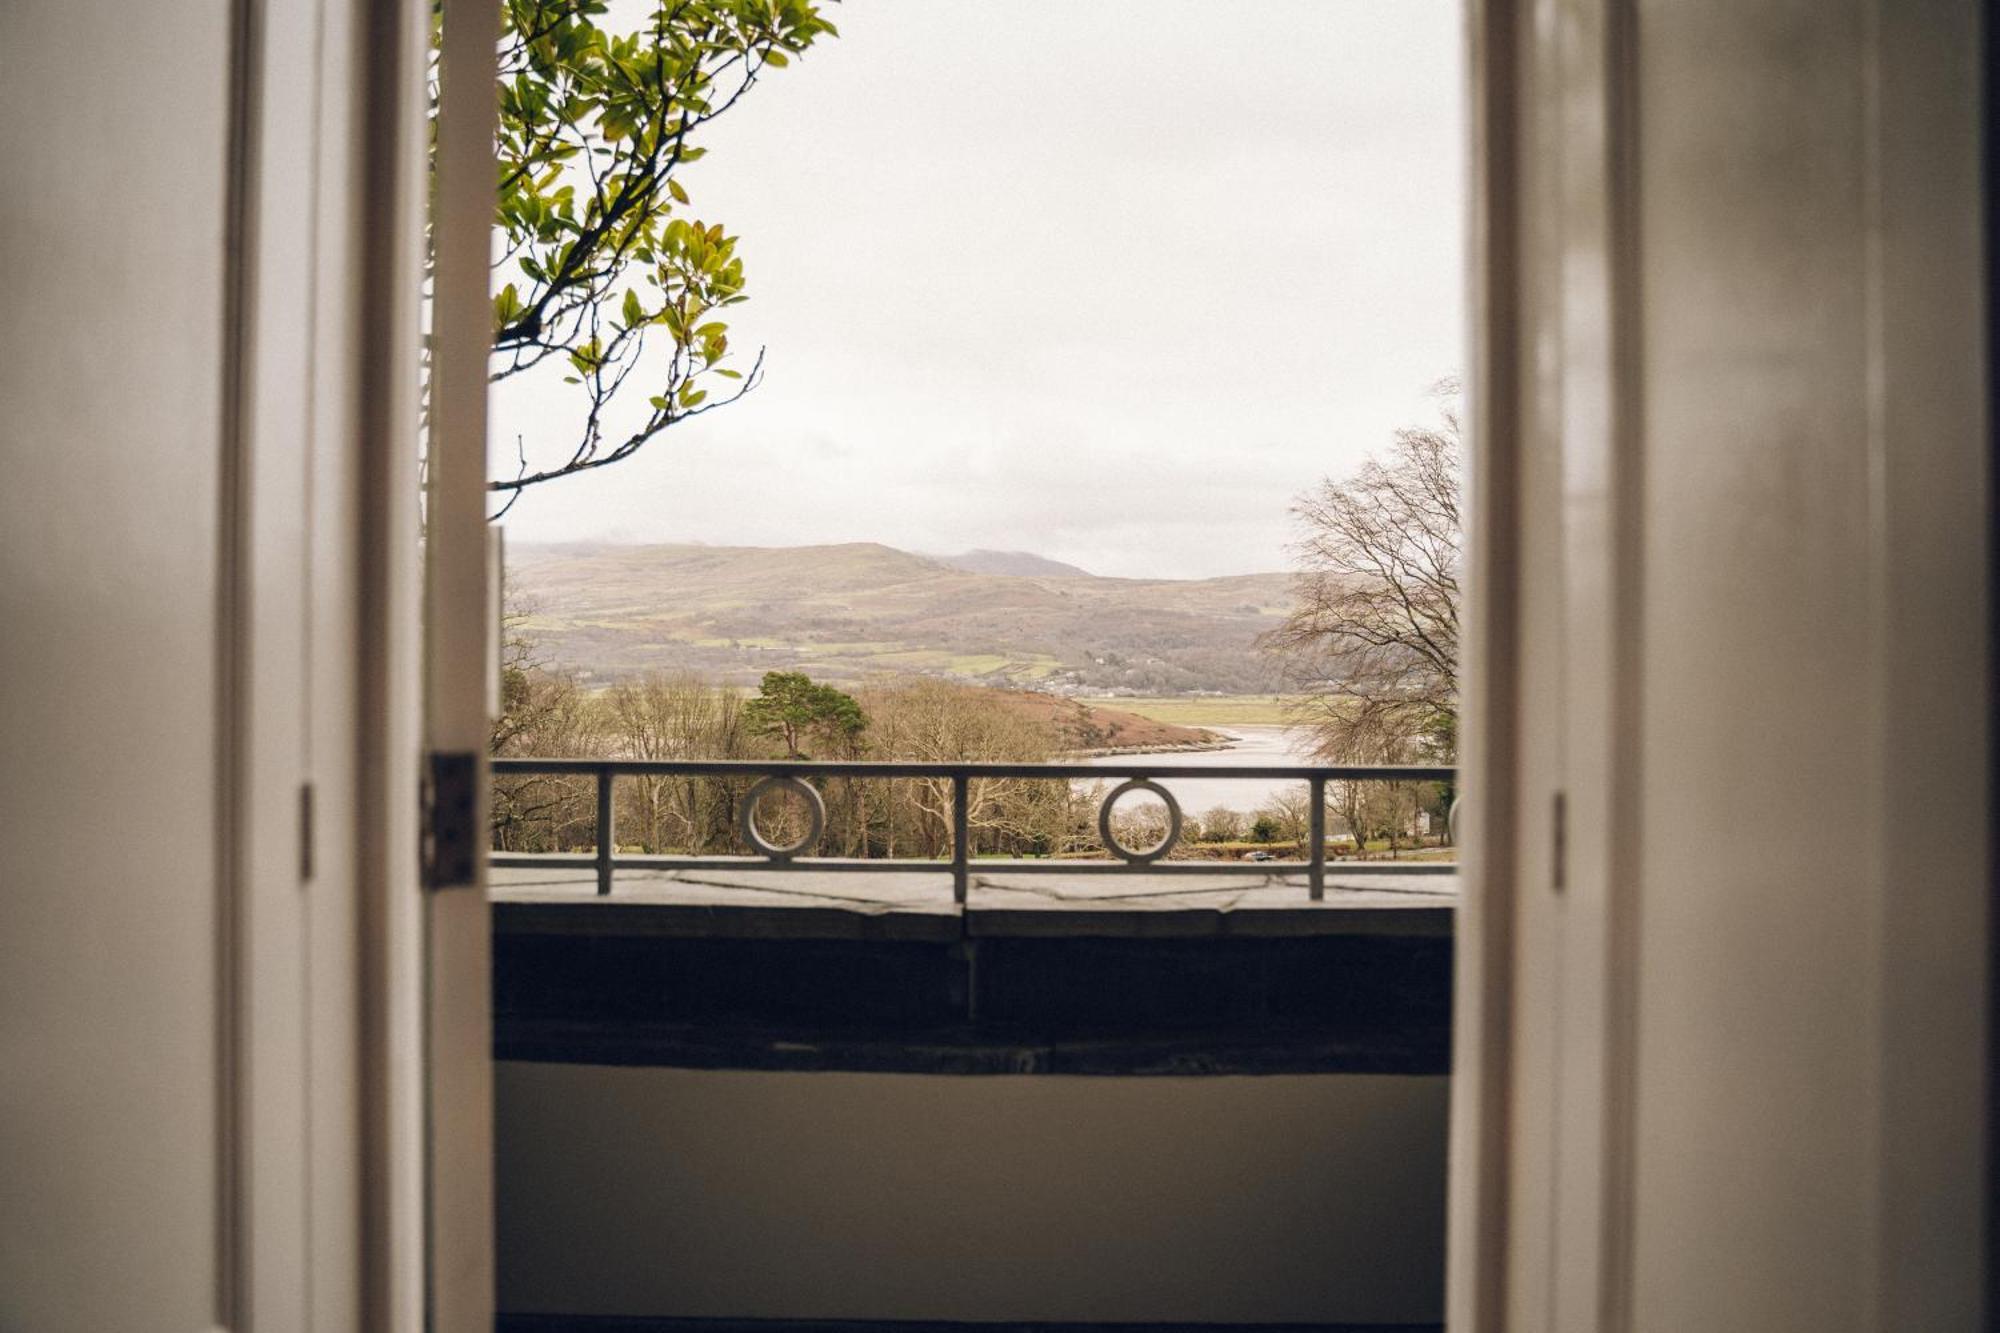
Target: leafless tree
x=1221 y=824
x=543 y=713
x=1372 y=811
x=1140 y=823
x=1289 y=810
x=1371 y=645
x=936 y=721
x=678 y=716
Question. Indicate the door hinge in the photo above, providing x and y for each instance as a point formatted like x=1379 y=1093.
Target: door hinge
x=1559 y=843
x=453 y=821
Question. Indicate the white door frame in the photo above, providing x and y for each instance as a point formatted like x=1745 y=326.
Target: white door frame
x=322 y=1205
x=1546 y=979
x=459 y=624
x=393 y=41
x=1482 y=1024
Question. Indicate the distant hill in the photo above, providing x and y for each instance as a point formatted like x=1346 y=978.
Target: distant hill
x=1025 y=564
x=847 y=612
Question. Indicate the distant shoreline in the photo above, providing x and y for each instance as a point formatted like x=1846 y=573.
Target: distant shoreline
x=1119 y=751
x=1208 y=711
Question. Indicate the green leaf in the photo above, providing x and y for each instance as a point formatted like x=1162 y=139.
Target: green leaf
x=575 y=88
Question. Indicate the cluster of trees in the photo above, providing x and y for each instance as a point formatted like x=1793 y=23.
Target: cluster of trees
x=679 y=716
x=1361 y=813
x=663 y=716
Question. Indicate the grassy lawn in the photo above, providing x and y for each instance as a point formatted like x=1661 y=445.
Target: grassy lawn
x=1241 y=710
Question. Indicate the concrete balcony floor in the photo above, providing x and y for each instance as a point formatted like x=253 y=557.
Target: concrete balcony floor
x=918 y=905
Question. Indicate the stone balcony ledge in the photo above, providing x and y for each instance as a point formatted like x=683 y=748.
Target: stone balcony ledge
x=814 y=904
x=1120 y=974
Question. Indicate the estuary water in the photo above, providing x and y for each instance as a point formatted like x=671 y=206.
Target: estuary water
x=1254 y=746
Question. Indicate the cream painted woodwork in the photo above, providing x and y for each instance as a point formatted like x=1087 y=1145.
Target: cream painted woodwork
x=114 y=917
x=460 y=617
x=209 y=995
x=1723 y=1049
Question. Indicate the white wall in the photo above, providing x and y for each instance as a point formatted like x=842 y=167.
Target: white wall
x=1723 y=1032
x=628 y=1191
x=113 y=136
x=199 y=1037
x=1810 y=1002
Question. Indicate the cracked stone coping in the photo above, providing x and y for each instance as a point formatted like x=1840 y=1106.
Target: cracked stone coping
x=815 y=903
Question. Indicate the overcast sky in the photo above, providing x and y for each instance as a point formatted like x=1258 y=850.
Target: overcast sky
x=1108 y=280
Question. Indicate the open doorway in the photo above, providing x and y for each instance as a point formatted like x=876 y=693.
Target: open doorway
x=1086 y=356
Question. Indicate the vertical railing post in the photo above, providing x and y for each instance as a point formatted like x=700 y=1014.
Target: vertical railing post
x=961 y=839
x=607 y=832
x=1316 y=821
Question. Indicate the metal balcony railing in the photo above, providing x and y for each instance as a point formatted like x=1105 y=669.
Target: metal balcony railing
x=791 y=775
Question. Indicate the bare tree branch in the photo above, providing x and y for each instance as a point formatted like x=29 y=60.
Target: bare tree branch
x=1371 y=642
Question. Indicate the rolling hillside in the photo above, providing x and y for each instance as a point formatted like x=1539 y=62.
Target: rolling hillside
x=1011 y=562
x=846 y=612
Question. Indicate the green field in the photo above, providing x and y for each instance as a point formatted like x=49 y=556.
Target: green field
x=1230 y=710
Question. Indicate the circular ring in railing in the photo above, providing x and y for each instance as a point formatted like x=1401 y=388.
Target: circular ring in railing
x=746 y=816
x=1110 y=840
x=1451 y=821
